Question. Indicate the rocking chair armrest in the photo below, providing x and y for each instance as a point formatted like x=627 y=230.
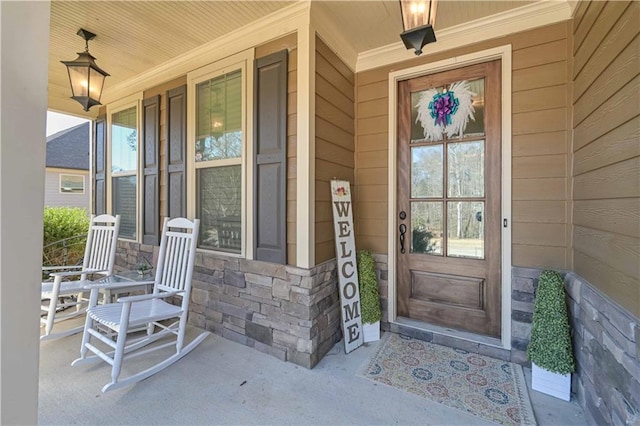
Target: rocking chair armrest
x=141 y=297
x=115 y=285
x=60 y=268
x=72 y=273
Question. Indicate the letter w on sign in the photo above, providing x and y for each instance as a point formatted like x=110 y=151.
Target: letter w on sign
x=347 y=268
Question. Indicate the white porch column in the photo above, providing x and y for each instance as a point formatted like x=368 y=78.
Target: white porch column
x=306 y=148
x=23 y=104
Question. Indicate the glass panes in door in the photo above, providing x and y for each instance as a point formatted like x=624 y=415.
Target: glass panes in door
x=448 y=195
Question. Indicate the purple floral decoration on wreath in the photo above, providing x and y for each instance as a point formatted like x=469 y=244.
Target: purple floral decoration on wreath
x=443 y=106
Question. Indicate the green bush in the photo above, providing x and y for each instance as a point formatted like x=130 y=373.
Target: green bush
x=369 y=296
x=61 y=224
x=550 y=343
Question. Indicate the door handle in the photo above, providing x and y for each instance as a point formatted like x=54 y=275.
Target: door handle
x=403 y=230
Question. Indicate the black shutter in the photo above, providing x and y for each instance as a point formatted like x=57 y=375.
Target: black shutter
x=270 y=151
x=150 y=171
x=99 y=166
x=176 y=152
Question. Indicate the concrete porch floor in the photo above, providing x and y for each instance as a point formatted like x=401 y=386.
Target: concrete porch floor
x=223 y=382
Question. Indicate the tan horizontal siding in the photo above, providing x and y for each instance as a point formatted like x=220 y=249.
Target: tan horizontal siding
x=621 y=252
x=292 y=147
x=540 y=189
x=618 y=145
x=540 y=166
x=618 y=180
x=543 y=143
x=617 y=285
x=622 y=70
x=334 y=143
x=613 y=42
x=606 y=163
x=612 y=113
x=539 y=256
x=608 y=16
x=538 y=211
x=541 y=234
x=617 y=216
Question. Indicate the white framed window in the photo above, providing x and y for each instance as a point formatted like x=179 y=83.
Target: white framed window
x=218 y=148
x=71 y=184
x=123 y=196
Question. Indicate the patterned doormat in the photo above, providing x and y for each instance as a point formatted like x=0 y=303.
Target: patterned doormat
x=485 y=387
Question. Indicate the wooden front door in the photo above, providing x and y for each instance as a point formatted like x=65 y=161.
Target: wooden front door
x=448 y=211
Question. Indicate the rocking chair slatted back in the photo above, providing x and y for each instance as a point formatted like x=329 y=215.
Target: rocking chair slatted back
x=176 y=257
x=100 y=252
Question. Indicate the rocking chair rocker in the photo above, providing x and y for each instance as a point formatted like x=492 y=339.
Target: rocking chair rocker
x=173 y=279
x=99 y=257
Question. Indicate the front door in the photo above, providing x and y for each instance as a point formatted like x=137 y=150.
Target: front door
x=448 y=212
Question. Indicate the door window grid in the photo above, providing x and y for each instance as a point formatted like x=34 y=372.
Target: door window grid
x=447 y=184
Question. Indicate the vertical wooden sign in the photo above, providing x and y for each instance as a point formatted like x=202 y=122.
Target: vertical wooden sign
x=347 y=267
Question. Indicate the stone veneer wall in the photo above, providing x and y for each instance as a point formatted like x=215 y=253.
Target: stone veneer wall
x=606 y=342
x=287 y=312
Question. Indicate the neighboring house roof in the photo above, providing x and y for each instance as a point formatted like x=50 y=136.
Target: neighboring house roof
x=69 y=149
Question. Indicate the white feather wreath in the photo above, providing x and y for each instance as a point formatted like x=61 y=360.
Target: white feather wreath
x=432 y=131
x=466 y=111
x=447 y=112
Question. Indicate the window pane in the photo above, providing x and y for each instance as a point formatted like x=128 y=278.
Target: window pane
x=124 y=204
x=124 y=140
x=72 y=184
x=219 y=118
x=465 y=224
x=426 y=227
x=465 y=162
x=450 y=111
x=219 y=203
x=426 y=171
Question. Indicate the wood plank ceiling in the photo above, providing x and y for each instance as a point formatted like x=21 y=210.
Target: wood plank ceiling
x=134 y=36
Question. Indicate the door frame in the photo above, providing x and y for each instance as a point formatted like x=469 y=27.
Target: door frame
x=504 y=54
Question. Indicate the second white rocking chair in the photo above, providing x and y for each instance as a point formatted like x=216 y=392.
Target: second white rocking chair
x=173 y=279
x=99 y=258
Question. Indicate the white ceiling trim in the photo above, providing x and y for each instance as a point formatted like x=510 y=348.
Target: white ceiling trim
x=498 y=25
x=334 y=38
x=282 y=22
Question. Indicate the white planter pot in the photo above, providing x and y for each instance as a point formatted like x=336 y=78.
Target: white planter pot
x=371 y=332
x=554 y=384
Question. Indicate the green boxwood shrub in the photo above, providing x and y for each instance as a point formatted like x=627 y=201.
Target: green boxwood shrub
x=62 y=223
x=550 y=343
x=368 y=284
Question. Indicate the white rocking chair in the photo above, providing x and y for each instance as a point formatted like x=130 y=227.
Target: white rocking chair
x=173 y=278
x=99 y=257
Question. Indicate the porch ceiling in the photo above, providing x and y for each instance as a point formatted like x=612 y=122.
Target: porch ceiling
x=135 y=36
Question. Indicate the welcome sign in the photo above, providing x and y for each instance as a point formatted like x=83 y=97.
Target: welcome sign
x=347 y=267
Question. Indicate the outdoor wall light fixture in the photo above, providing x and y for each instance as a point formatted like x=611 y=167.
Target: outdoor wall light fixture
x=418 y=18
x=86 y=78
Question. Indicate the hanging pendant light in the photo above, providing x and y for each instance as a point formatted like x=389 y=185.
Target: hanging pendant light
x=418 y=18
x=86 y=78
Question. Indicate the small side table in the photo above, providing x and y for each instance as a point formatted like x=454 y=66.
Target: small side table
x=119 y=283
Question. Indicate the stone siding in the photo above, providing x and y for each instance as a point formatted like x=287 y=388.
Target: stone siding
x=606 y=341
x=290 y=313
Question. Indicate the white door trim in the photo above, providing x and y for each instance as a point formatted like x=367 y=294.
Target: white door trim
x=503 y=53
